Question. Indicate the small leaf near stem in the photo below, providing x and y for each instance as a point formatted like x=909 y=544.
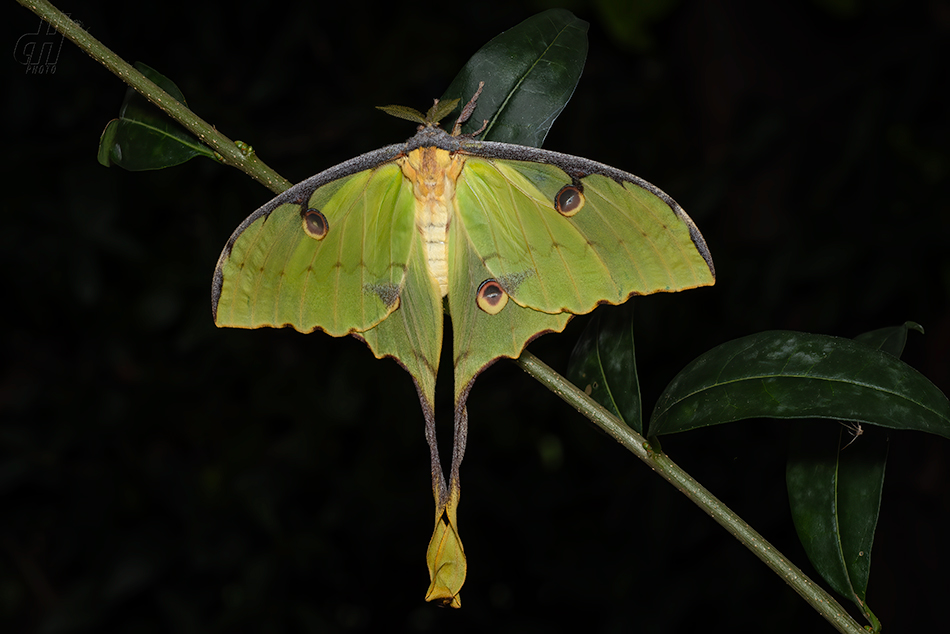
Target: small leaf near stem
x=206 y=133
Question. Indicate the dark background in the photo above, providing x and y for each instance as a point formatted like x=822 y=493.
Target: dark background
x=160 y=475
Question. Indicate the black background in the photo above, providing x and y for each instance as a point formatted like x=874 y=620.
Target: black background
x=160 y=475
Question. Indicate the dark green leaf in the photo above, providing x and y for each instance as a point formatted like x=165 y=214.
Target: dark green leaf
x=604 y=365
x=892 y=339
x=530 y=72
x=144 y=137
x=835 y=477
x=781 y=374
x=834 y=490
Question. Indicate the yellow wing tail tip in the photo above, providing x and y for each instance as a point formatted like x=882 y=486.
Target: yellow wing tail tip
x=446 y=559
x=447 y=580
x=446 y=600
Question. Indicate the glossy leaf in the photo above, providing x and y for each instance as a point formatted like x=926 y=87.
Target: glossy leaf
x=144 y=137
x=834 y=489
x=530 y=72
x=782 y=374
x=835 y=476
x=891 y=339
x=604 y=365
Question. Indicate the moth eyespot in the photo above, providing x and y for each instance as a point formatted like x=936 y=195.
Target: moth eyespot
x=491 y=297
x=569 y=200
x=315 y=223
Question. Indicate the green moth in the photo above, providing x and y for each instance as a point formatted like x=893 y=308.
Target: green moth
x=510 y=241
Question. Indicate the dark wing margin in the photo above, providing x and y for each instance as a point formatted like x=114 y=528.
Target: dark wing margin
x=297 y=194
x=578 y=167
x=575 y=166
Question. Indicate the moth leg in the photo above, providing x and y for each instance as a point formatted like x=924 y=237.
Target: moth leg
x=855 y=430
x=467 y=112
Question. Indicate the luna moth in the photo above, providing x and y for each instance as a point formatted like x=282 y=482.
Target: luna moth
x=510 y=241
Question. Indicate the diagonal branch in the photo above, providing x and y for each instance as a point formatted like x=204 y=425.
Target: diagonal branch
x=820 y=600
x=230 y=153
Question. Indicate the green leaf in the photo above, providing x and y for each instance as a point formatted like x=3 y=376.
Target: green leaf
x=530 y=72
x=835 y=477
x=604 y=364
x=782 y=374
x=834 y=491
x=144 y=137
x=891 y=339
x=404 y=112
x=440 y=110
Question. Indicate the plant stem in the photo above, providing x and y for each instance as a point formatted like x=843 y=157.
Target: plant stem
x=823 y=602
x=231 y=154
